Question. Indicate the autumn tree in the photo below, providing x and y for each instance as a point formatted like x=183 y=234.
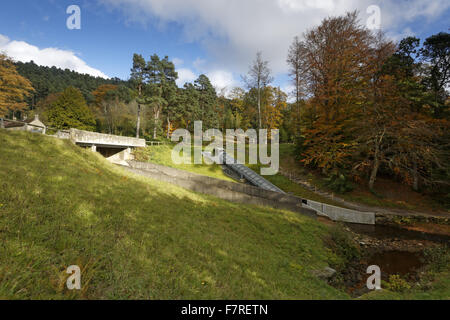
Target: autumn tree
x=379 y=117
x=418 y=141
x=110 y=105
x=295 y=62
x=13 y=87
x=335 y=69
x=237 y=96
x=275 y=104
x=102 y=107
x=258 y=77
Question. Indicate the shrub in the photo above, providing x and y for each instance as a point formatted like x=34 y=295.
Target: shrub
x=343 y=245
x=339 y=183
x=397 y=284
x=438 y=257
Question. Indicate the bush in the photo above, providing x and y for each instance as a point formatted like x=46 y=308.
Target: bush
x=339 y=183
x=397 y=284
x=437 y=257
x=343 y=245
x=299 y=147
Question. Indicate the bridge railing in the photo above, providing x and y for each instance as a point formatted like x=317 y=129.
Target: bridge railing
x=154 y=143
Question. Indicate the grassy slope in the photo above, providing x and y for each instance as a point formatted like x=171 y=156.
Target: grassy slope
x=162 y=155
x=138 y=238
x=390 y=194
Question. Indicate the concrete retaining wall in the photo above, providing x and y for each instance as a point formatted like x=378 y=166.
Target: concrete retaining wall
x=226 y=190
x=341 y=214
x=243 y=193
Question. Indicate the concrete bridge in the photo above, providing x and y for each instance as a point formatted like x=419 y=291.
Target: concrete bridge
x=115 y=148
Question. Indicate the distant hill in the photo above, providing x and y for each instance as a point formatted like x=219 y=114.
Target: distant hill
x=47 y=80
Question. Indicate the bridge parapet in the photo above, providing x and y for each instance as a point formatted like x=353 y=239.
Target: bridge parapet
x=100 y=139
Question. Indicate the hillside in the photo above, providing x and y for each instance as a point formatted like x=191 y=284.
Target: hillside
x=138 y=238
x=46 y=80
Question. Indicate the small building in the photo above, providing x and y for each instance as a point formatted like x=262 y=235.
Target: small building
x=31 y=125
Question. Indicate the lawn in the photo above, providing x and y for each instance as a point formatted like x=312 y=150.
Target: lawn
x=133 y=237
x=162 y=155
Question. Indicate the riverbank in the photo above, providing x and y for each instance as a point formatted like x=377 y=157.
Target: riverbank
x=413 y=263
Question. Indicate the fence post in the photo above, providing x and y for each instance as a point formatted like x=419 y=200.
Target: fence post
x=2 y=124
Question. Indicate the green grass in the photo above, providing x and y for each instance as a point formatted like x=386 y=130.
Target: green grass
x=291 y=187
x=134 y=237
x=163 y=155
x=439 y=289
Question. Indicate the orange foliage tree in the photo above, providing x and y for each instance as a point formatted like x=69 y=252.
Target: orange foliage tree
x=13 y=87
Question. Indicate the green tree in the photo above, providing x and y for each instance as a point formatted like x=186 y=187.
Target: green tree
x=207 y=101
x=436 y=53
x=189 y=106
x=70 y=111
x=155 y=84
x=138 y=81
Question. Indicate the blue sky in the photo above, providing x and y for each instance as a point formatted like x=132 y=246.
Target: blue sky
x=215 y=37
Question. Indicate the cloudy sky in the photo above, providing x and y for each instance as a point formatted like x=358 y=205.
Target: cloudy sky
x=217 y=37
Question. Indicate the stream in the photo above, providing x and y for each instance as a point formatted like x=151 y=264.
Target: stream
x=396 y=250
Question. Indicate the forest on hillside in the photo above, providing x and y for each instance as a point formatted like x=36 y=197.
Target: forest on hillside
x=50 y=80
x=363 y=106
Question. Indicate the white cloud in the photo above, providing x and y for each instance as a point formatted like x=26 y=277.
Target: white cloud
x=221 y=80
x=24 y=52
x=232 y=31
x=397 y=36
x=199 y=63
x=177 y=62
x=289 y=89
x=185 y=75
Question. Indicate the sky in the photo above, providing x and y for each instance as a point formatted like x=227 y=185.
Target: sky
x=218 y=38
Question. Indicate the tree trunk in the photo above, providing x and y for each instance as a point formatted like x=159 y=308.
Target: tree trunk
x=138 y=123
x=168 y=127
x=259 y=107
x=415 y=176
x=376 y=165
x=155 y=124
